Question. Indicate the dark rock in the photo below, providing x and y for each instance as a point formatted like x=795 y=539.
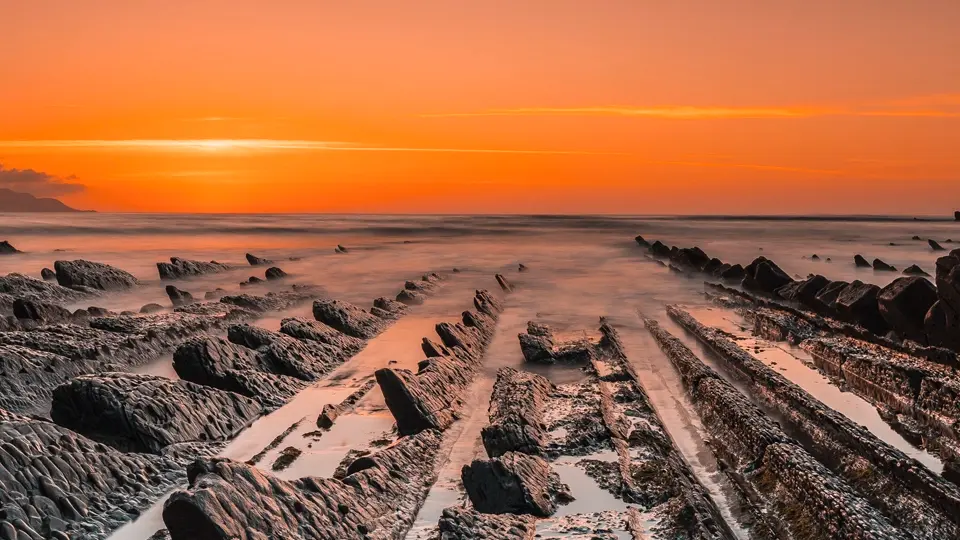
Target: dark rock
x=956 y=215
x=257 y=261
x=764 y=275
x=95 y=311
x=915 y=237
x=147 y=413
x=40 y=312
x=826 y=299
x=942 y=326
x=348 y=318
x=284 y=355
x=214 y=294
x=341 y=249
x=218 y=363
x=179 y=297
x=660 y=249
x=466 y=524
x=693 y=258
x=179 y=268
x=641 y=241
x=522 y=267
x=914 y=270
x=711 y=266
x=228 y=500
x=733 y=274
x=881 y=266
x=410 y=298
x=151 y=308
x=82 y=275
x=536 y=348
x=904 y=304
x=7 y=249
x=514 y=483
x=504 y=284
x=860 y=262
x=857 y=304
x=56 y=482
x=327 y=416
x=517 y=408
x=393 y=307
x=805 y=291
x=319 y=332
x=814 y=257
x=272 y=301
x=432 y=397
x=274 y=273
x=48 y=275
x=934 y=245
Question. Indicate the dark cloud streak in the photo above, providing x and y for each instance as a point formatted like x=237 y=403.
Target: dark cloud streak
x=37 y=183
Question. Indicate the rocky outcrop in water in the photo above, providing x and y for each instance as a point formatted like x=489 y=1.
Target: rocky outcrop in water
x=904 y=304
x=151 y=308
x=934 y=245
x=179 y=297
x=47 y=274
x=274 y=273
x=513 y=483
x=7 y=249
x=857 y=304
x=914 y=270
x=284 y=355
x=764 y=275
x=942 y=321
x=257 y=261
x=378 y=498
x=348 y=318
x=432 y=397
x=860 y=262
x=179 y=268
x=218 y=363
x=40 y=312
x=465 y=524
x=909 y=496
x=538 y=345
x=516 y=414
x=147 y=413
x=20 y=286
x=83 y=275
x=881 y=266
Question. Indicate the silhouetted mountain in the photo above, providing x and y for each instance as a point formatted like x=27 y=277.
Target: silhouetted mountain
x=14 y=201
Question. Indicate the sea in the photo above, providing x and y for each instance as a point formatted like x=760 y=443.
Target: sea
x=578 y=269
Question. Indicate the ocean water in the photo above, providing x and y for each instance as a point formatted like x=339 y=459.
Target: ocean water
x=580 y=268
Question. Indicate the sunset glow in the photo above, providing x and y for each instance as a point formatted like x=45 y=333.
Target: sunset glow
x=374 y=106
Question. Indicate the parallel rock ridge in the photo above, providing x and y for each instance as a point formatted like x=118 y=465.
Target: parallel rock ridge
x=147 y=413
x=803 y=498
x=82 y=275
x=431 y=398
x=57 y=484
x=378 y=498
x=905 y=491
x=179 y=268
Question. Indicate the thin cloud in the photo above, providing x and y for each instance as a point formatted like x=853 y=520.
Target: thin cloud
x=37 y=183
x=233 y=145
x=936 y=106
x=752 y=166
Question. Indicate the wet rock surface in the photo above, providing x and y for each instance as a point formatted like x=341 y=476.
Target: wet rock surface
x=378 y=497
x=904 y=305
x=58 y=484
x=47 y=274
x=147 y=413
x=465 y=524
x=274 y=273
x=84 y=275
x=179 y=268
x=516 y=414
x=257 y=261
x=6 y=248
x=905 y=492
x=179 y=297
x=15 y=286
x=432 y=397
x=513 y=483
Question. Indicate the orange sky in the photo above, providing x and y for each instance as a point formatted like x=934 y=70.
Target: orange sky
x=642 y=106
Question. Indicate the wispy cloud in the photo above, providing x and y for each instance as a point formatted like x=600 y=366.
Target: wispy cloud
x=235 y=145
x=935 y=106
x=38 y=183
x=751 y=166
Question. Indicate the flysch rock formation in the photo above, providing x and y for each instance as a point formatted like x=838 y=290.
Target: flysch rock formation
x=87 y=275
x=905 y=492
x=257 y=261
x=608 y=412
x=377 y=499
x=431 y=398
x=57 y=484
x=148 y=413
x=6 y=248
x=179 y=268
